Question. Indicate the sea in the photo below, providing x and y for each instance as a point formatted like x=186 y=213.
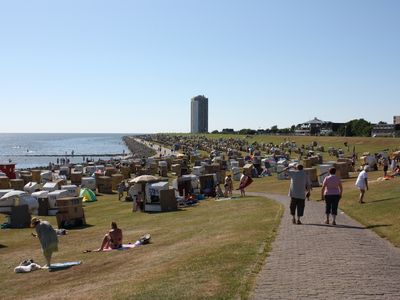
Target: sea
x=32 y=150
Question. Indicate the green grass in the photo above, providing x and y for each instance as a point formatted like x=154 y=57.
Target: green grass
x=211 y=251
x=381 y=210
x=361 y=144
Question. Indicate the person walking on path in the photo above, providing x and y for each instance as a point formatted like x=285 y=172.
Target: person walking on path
x=47 y=237
x=300 y=185
x=331 y=191
x=362 y=183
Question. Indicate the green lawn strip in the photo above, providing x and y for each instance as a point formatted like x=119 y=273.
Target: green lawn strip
x=380 y=213
x=208 y=251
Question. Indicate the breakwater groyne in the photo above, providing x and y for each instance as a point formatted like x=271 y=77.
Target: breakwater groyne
x=138 y=149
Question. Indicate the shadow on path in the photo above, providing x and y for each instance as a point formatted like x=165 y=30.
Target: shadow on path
x=348 y=226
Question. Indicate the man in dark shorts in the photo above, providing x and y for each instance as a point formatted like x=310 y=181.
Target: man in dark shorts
x=300 y=185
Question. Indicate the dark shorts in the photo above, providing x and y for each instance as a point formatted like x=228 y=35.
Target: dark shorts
x=331 y=204
x=297 y=204
x=385 y=168
x=115 y=246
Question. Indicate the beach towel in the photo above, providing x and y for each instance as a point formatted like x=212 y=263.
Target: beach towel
x=246 y=182
x=124 y=247
x=65 y=265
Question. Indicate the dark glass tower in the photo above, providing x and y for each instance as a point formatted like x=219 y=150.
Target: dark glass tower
x=199 y=114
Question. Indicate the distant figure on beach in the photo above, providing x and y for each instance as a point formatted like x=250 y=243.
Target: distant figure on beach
x=362 y=183
x=245 y=181
x=113 y=239
x=385 y=163
x=331 y=192
x=300 y=185
x=228 y=185
x=121 y=189
x=218 y=191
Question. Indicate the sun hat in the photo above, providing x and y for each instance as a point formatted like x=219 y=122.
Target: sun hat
x=34 y=221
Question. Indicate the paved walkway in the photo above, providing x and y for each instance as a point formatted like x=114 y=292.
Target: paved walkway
x=318 y=261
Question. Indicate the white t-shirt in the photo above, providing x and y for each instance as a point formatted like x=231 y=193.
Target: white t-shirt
x=360 y=182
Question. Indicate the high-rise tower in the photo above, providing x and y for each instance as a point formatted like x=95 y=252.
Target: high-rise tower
x=199 y=114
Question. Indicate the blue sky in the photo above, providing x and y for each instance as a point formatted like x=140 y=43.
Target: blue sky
x=132 y=66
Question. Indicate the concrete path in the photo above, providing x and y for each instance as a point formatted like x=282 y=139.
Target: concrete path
x=318 y=261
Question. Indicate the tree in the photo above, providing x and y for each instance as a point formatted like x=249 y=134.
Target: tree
x=274 y=129
x=357 y=127
x=214 y=131
x=247 y=131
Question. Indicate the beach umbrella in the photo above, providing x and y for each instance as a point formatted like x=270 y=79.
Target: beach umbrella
x=144 y=178
x=88 y=195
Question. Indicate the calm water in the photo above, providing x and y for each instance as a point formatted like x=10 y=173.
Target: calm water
x=22 y=148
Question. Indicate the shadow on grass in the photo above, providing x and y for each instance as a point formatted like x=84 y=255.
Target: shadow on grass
x=78 y=227
x=378 y=225
x=350 y=226
x=381 y=200
x=171 y=211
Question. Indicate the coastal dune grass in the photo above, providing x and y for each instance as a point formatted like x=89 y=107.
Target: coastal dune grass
x=212 y=250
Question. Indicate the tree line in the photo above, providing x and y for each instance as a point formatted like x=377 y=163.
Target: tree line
x=356 y=127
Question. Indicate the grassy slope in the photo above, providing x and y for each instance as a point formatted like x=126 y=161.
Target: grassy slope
x=207 y=251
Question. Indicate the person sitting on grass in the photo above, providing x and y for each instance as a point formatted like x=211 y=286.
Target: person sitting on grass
x=113 y=239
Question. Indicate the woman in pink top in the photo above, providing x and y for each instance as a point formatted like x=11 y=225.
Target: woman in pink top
x=332 y=192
